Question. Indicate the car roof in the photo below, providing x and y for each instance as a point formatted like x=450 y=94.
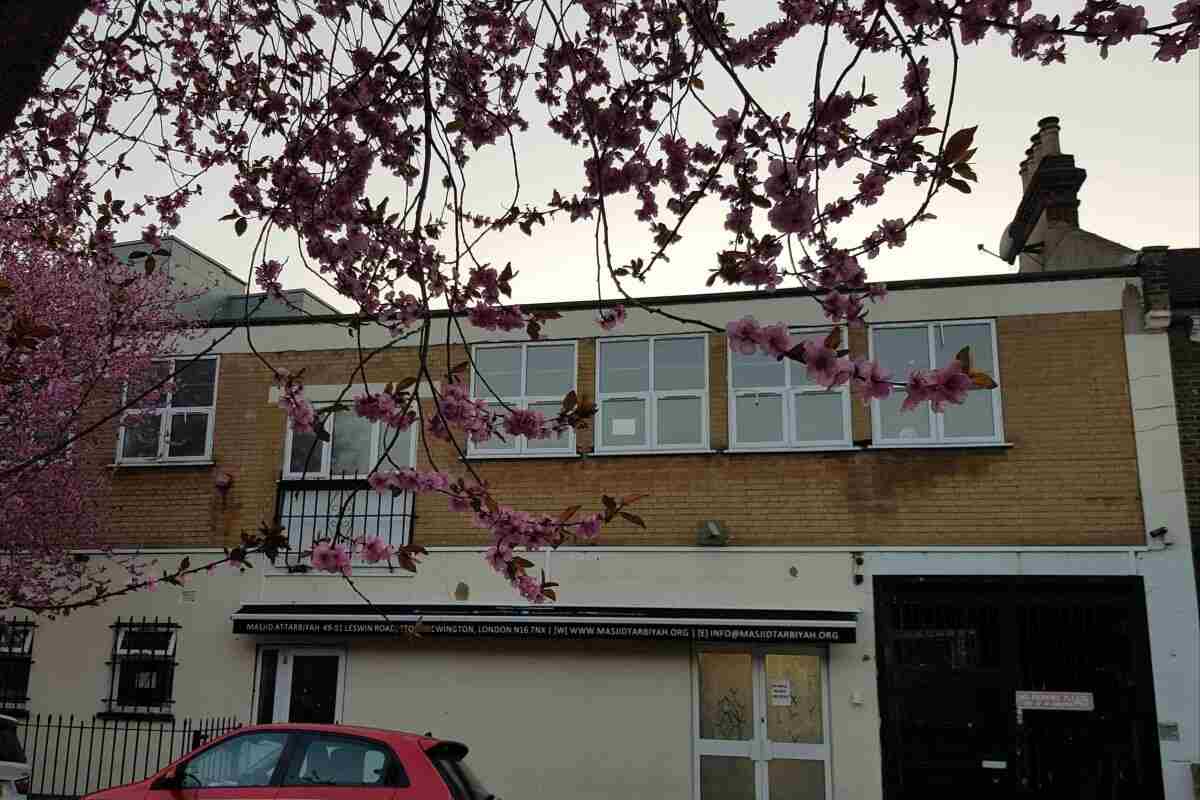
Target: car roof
x=423 y=741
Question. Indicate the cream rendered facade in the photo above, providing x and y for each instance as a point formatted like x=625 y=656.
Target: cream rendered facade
x=619 y=718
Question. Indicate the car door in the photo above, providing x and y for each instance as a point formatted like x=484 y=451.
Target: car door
x=243 y=767
x=326 y=766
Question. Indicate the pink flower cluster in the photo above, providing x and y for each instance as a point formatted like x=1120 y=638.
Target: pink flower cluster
x=457 y=409
x=331 y=557
x=612 y=318
x=511 y=530
x=385 y=408
x=949 y=384
x=292 y=400
x=746 y=337
x=409 y=480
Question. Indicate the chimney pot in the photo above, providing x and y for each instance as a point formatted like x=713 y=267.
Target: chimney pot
x=1048 y=130
x=1047 y=122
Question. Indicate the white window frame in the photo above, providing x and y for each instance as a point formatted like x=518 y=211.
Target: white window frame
x=789 y=393
x=125 y=652
x=937 y=437
x=521 y=448
x=759 y=749
x=379 y=432
x=651 y=398
x=167 y=411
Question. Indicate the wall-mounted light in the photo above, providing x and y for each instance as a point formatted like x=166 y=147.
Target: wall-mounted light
x=712 y=533
x=856 y=567
x=1158 y=533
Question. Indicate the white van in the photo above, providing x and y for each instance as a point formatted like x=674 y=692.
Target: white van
x=14 y=769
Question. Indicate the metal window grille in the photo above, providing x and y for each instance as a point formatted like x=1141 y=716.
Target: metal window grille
x=311 y=510
x=142 y=668
x=16 y=661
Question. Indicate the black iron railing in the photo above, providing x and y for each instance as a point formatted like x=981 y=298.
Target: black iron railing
x=141 y=677
x=315 y=509
x=70 y=756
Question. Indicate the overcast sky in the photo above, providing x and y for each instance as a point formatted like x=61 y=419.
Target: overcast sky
x=1132 y=123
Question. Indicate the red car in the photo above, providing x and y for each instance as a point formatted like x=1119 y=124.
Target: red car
x=312 y=762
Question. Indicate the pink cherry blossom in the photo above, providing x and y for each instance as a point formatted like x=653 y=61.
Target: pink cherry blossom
x=376 y=549
x=612 y=318
x=744 y=335
x=872 y=381
x=775 y=340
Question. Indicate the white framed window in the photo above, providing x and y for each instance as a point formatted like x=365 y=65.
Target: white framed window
x=532 y=375
x=903 y=347
x=180 y=428
x=652 y=394
x=355 y=446
x=773 y=405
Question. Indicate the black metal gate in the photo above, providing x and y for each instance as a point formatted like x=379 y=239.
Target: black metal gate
x=954 y=651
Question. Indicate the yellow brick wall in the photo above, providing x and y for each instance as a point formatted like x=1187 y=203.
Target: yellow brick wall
x=1070 y=478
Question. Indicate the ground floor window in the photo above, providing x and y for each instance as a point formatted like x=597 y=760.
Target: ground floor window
x=762 y=724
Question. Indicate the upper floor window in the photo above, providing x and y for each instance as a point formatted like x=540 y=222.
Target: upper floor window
x=535 y=376
x=180 y=427
x=773 y=404
x=652 y=393
x=356 y=445
x=903 y=347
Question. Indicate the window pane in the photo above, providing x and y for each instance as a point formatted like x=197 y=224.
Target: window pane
x=976 y=335
x=800 y=371
x=333 y=761
x=794 y=699
x=975 y=417
x=759 y=418
x=903 y=425
x=759 y=369
x=680 y=421
x=496 y=443
x=727 y=778
x=189 y=435
x=550 y=370
x=144 y=682
x=307 y=454
x=351 y=451
x=726 y=696
x=146 y=641
x=194 y=385
x=560 y=442
x=796 y=779
x=398 y=445
x=623 y=423
x=624 y=367
x=818 y=417
x=141 y=438
x=498 y=372
x=158 y=371
x=902 y=350
x=678 y=364
x=248 y=760
x=14 y=688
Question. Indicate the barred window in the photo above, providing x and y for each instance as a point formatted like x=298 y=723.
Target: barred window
x=16 y=660
x=142 y=677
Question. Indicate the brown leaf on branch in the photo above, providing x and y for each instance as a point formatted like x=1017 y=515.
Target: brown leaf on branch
x=958 y=145
x=834 y=340
x=634 y=518
x=982 y=380
x=963 y=357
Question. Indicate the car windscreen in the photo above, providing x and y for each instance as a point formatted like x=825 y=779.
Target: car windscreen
x=10 y=743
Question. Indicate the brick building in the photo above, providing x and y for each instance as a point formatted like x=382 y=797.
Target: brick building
x=829 y=601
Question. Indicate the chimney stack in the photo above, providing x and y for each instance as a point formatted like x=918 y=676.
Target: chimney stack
x=1049 y=206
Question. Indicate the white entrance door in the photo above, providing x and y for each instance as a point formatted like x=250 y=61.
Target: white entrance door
x=300 y=684
x=762 y=724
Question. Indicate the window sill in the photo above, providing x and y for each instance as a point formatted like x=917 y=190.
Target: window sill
x=682 y=452
x=152 y=464
x=940 y=446
x=517 y=456
x=147 y=716
x=832 y=448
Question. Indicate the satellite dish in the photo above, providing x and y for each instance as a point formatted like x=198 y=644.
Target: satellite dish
x=1006 y=245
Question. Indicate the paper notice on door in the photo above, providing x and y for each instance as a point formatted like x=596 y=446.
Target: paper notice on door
x=624 y=427
x=781 y=693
